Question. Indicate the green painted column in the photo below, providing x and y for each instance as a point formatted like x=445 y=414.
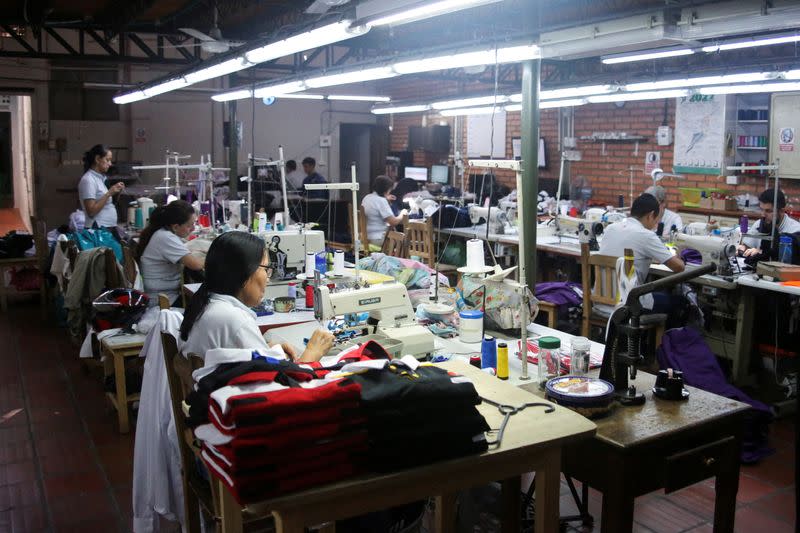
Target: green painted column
x=529 y=123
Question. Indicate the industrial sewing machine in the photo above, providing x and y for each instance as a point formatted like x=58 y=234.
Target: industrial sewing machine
x=713 y=250
x=495 y=217
x=625 y=332
x=390 y=312
x=585 y=230
x=287 y=250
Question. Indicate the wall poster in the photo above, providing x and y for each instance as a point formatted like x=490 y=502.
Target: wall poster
x=699 y=134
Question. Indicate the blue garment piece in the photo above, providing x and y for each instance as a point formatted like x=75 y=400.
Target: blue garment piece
x=257 y=356
x=685 y=349
x=559 y=293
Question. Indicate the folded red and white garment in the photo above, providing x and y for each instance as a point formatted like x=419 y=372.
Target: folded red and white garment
x=278 y=441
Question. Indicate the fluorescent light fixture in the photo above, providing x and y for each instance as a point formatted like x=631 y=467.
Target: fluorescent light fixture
x=753 y=88
x=569 y=102
x=127 y=98
x=792 y=75
x=301 y=96
x=429 y=10
x=572 y=92
x=233 y=95
x=401 y=109
x=470 y=102
x=357 y=76
x=647 y=54
x=278 y=90
x=697 y=82
x=511 y=54
x=220 y=69
x=359 y=98
x=166 y=87
x=645 y=95
x=751 y=43
x=322 y=36
x=470 y=111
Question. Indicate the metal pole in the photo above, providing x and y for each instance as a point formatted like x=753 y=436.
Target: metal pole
x=355 y=217
x=233 y=151
x=251 y=169
x=529 y=186
x=524 y=317
x=282 y=167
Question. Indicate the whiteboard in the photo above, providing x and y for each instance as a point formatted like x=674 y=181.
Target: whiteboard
x=479 y=135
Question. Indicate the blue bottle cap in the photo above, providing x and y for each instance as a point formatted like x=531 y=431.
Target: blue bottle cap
x=471 y=314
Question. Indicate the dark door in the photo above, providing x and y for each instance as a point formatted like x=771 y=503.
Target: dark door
x=6 y=175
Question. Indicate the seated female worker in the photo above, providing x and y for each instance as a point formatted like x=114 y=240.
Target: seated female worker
x=162 y=253
x=378 y=212
x=219 y=315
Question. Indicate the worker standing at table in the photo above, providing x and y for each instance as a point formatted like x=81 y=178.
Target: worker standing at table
x=751 y=246
x=93 y=194
x=670 y=219
x=378 y=212
x=314 y=178
x=636 y=232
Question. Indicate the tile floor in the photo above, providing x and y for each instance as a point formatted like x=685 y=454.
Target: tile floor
x=64 y=467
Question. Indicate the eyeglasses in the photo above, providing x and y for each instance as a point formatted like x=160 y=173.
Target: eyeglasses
x=269 y=270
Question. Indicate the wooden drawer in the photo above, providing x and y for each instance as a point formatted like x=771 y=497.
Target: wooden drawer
x=697 y=464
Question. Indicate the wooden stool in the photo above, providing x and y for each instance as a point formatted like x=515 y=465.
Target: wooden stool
x=118 y=348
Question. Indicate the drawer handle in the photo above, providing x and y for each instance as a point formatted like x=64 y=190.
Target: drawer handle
x=708 y=461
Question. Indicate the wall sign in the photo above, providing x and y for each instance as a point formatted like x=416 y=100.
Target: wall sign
x=652 y=161
x=786 y=138
x=699 y=134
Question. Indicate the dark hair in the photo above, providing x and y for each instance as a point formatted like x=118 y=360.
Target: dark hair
x=644 y=205
x=95 y=151
x=176 y=212
x=768 y=197
x=291 y=165
x=232 y=258
x=382 y=185
x=310 y=161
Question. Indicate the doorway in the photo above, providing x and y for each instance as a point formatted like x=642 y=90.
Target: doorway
x=6 y=165
x=366 y=145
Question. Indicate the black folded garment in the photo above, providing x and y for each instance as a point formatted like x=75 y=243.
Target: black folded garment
x=389 y=456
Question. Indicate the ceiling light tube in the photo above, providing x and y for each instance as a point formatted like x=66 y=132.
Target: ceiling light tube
x=572 y=92
x=792 y=74
x=357 y=76
x=569 y=102
x=130 y=97
x=704 y=80
x=344 y=97
x=278 y=90
x=166 y=87
x=645 y=95
x=322 y=36
x=470 y=102
x=301 y=96
x=220 y=69
x=233 y=95
x=647 y=54
x=753 y=88
x=400 y=109
x=432 y=9
x=751 y=43
x=487 y=110
x=510 y=54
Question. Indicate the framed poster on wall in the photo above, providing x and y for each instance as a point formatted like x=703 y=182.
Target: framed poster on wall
x=700 y=134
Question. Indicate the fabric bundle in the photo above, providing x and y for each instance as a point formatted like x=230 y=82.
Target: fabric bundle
x=269 y=426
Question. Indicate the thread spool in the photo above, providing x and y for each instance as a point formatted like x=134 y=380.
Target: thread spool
x=502 y=361
x=138 y=218
x=321 y=262
x=309 y=296
x=475 y=258
x=338 y=262
x=132 y=216
x=262 y=222
x=278 y=219
x=311 y=263
x=489 y=352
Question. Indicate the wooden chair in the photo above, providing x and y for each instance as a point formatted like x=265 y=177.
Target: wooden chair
x=163 y=301
x=394 y=244
x=38 y=261
x=420 y=243
x=551 y=310
x=129 y=264
x=603 y=290
x=344 y=246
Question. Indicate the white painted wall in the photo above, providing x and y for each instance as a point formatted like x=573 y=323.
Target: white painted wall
x=22 y=157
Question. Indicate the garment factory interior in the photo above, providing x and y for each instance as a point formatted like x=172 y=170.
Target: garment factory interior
x=399 y=265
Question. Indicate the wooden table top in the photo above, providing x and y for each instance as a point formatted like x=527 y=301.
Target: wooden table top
x=632 y=426
x=719 y=212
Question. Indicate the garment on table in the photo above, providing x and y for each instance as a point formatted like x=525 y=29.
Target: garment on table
x=647 y=248
x=560 y=293
x=225 y=323
x=314 y=178
x=157 y=485
x=87 y=282
x=254 y=423
x=786 y=225
x=403 y=187
x=686 y=350
x=92 y=187
x=377 y=210
x=412 y=274
x=161 y=267
x=671 y=219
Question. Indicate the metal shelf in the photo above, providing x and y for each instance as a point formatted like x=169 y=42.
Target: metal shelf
x=752 y=121
x=752 y=148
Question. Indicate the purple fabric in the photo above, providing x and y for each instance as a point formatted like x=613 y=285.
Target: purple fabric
x=559 y=293
x=685 y=349
x=691 y=256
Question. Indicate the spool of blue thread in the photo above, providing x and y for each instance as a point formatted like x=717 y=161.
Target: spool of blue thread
x=321 y=262
x=138 y=218
x=489 y=352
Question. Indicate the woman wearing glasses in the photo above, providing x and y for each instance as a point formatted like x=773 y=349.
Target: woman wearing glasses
x=219 y=314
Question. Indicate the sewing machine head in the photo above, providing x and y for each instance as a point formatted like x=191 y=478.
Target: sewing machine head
x=287 y=250
x=716 y=250
x=584 y=230
x=495 y=217
x=389 y=308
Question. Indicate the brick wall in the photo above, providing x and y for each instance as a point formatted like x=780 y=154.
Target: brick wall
x=606 y=172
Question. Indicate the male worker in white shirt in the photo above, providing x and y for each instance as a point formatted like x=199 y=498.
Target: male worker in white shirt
x=636 y=232
x=671 y=219
x=751 y=246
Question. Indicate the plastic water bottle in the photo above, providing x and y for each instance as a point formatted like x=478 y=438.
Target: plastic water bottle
x=785 y=249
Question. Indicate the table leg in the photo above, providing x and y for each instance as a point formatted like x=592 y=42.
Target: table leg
x=511 y=504
x=548 y=481
x=122 y=392
x=445 y=516
x=617 y=506
x=726 y=487
x=740 y=365
x=230 y=511
x=287 y=523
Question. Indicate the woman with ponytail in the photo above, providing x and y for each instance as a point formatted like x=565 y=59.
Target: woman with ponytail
x=94 y=196
x=219 y=314
x=162 y=252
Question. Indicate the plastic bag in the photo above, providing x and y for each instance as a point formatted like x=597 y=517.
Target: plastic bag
x=95 y=238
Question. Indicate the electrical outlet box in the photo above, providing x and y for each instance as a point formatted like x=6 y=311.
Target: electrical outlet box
x=664 y=135
x=324 y=141
x=732 y=180
x=570 y=142
x=573 y=155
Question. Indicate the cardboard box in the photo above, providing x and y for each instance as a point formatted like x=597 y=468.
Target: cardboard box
x=706 y=203
x=778 y=271
x=724 y=204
